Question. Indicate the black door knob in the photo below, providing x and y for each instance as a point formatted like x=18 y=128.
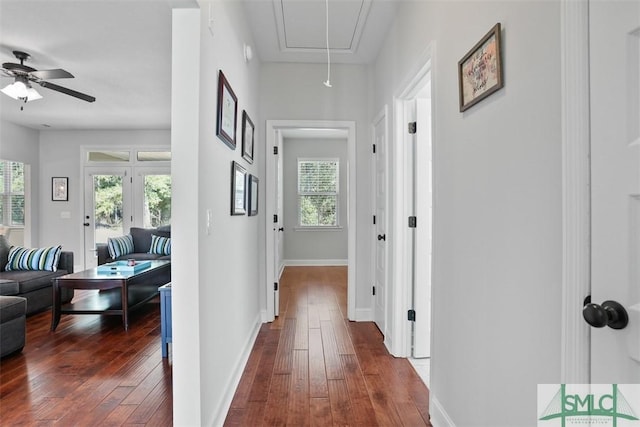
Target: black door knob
x=382 y=237
x=281 y=229
x=610 y=313
x=86 y=224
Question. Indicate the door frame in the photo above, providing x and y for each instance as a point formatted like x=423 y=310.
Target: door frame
x=272 y=129
x=398 y=341
x=576 y=191
x=382 y=116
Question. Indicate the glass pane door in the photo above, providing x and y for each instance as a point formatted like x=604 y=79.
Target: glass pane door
x=107 y=208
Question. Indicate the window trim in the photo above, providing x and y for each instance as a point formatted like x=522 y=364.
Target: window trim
x=299 y=194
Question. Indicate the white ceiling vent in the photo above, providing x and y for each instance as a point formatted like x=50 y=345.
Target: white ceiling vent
x=301 y=24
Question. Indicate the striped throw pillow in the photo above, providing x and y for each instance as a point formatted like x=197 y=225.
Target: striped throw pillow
x=33 y=259
x=119 y=246
x=160 y=245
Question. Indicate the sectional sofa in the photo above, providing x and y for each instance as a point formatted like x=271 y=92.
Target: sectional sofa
x=143 y=239
x=24 y=292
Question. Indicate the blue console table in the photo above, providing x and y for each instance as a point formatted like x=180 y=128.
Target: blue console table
x=165 y=314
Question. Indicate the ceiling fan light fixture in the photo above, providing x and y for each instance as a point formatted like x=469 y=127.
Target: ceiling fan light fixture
x=22 y=90
x=16 y=90
x=32 y=94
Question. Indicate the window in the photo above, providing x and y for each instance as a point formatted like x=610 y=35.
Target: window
x=11 y=193
x=318 y=189
x=157 y=200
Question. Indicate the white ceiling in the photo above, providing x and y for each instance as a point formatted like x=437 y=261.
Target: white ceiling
x=294 y=30
x=120 y=52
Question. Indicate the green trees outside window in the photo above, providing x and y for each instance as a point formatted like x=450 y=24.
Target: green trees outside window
x=318 y=188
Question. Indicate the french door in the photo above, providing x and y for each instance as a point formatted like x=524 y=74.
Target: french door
x=117 y=198
x=107 y=210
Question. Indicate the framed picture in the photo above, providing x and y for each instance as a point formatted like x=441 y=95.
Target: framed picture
x=253 y=196
x=238 y=189
x=247 y=137
x=480 y=70
x=60 y=189
x=227 y=112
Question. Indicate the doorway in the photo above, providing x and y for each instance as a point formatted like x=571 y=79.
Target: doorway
x=274 y=206
x=123 y=189
x=410 y=314
x=591 y=136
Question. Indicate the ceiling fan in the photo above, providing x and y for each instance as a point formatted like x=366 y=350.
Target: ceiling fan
x=24 y=75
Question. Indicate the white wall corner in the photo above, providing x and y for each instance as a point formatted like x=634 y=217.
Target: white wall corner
x=220 y=414
x=439 y=417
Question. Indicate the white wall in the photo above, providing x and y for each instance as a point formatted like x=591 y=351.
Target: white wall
x=18 y=143
x=295 y=92
x=227 y=294
x=62 y=151
x=497 y=209
x=302 y=246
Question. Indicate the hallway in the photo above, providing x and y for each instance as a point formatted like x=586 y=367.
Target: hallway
x=311 y=366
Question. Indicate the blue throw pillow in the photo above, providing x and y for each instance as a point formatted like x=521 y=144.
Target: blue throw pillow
x=160 y=245
x=119 y=246
x=33 y=259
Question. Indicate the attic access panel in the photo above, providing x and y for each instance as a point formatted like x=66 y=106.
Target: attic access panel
x=301 y=24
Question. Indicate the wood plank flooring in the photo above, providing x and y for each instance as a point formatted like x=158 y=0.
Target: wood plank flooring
x=312 y=367
x=88 y=372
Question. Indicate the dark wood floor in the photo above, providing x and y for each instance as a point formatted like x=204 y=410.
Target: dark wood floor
x=313 y=367
x=309 y=367
x=88 y=372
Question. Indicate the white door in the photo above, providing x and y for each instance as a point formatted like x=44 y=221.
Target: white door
x=380 y=198
x=423 y=208
x=278 y=225
x=615 y=175
x=107 y=207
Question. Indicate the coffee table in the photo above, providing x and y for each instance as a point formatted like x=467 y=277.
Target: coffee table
x=120 y=292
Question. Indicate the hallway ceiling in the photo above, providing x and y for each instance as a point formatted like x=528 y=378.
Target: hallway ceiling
x=295 y=30
x=128 y=70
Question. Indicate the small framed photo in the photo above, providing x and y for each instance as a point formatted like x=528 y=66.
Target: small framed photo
x=253 y=195
x=480 y=70
x=60 y=189
x=227 y=112
x=238 y=189
x=247 y=137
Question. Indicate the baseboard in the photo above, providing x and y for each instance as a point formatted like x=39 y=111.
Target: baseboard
x=314 y=262
x=364 y=315
x=221 y=413
x=439 y=417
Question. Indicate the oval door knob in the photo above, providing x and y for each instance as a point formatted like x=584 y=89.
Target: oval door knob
x=610 y=313
x=382 y=237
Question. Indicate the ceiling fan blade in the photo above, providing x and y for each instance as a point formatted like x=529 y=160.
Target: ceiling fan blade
x=67 y=91
x=58 y=73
